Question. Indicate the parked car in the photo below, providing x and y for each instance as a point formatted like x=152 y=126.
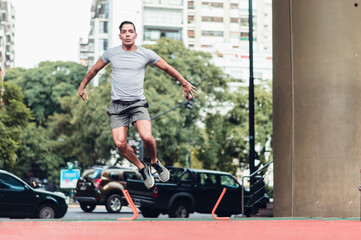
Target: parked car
x=103 y=186
x=19 y=200
x=188 y=191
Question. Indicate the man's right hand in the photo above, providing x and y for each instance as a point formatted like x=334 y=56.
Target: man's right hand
x=82 y=93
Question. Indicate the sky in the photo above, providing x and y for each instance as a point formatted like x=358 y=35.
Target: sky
x=49 y=30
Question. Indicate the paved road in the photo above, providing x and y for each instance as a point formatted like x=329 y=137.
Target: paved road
x=100 y=213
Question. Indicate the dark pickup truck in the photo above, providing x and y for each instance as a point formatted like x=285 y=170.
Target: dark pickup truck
x=188 y=191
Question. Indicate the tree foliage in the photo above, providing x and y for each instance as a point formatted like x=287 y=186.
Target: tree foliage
x=14 y=117
x=238 y=125
x=225 y=137
x=83 y=129
x=178 y=132
x=69 y=129
x=44 y=85
x=37 y=154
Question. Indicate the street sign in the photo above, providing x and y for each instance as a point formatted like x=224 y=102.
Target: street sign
x=69 y=177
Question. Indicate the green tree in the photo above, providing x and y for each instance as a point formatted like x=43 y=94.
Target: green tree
x=238 y=124
x=45 y=84
x=213 y=152
x=178 y=133
x=14 y=117
x=226 y=137
x=82 y=130
x=37 y=154
x=84 y=126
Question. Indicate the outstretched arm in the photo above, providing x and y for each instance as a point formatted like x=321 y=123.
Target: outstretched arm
x=88 y=77
x=187 y=87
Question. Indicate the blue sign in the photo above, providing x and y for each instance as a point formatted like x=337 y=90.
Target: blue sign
x=69 y=178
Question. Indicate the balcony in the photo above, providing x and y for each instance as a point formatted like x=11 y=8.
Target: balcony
x=160 y=17
x=169 y=4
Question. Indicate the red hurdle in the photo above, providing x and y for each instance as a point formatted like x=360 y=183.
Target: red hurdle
x=215 y=207
x=132 y=206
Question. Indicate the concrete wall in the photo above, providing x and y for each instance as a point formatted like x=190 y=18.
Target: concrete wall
x=317 y=112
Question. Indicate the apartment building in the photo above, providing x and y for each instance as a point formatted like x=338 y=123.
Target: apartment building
x=153 y=19
x=214 y=26
x=7 y=36
x=221 y=28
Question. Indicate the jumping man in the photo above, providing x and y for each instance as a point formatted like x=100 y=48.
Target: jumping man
x=129 y=62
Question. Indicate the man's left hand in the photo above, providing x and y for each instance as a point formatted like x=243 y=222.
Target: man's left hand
x=190 y=90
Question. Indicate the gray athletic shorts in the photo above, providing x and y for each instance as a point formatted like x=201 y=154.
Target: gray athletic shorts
x=120 y=112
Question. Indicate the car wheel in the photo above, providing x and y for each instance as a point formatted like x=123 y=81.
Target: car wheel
x=179 y=209
x=114 y=203
x=149 y=213
x=46 y=211
x=87 y=207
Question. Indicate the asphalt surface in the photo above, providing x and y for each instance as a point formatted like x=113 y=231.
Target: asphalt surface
x=100 y=213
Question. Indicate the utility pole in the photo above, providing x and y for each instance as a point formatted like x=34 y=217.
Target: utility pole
x=251 y=94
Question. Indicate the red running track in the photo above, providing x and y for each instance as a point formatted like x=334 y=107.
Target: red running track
x=182 y=230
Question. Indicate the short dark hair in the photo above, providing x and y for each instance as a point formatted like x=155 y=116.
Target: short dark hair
x=126 y=22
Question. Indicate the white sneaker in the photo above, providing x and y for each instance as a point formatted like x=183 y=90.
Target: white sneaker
x=147 y=175
x=163 y=173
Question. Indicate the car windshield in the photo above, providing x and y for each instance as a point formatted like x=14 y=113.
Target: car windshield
x=174 y=174
x=9 y=183
x=92 y=173
x=180 y=175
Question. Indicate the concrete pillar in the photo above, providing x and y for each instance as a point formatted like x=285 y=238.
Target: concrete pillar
x=317 y=111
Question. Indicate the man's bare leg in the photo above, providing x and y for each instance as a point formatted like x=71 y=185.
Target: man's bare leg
x=144 y=128
x=145 y=131
x=120 y=140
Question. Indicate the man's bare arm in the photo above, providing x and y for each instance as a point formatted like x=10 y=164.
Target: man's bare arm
x=89 y=76
x=187 y=86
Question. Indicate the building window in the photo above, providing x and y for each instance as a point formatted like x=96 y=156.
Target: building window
x=234 y=34
x=206 y=46
x=212 y=19
x=155 y=34
x=103 y=27
x=234 y=5
x=244 y=21
x=191 y=33
x=212 y=33
x=190 y=19
x=234 y=20
x=212 y=4
x=244 y=35
x=103 y=44
x=191 y=45
x=190 y=4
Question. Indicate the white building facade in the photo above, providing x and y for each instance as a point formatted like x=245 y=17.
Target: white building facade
x=153 y=19
x=7 y=36
x=217 y=27
x=221 y=28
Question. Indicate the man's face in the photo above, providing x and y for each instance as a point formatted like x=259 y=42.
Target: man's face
x=128 y=35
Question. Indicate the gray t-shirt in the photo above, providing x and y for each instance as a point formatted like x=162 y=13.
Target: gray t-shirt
x=128 y=71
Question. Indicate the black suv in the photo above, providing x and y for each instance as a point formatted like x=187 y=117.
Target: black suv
x=103 y=186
